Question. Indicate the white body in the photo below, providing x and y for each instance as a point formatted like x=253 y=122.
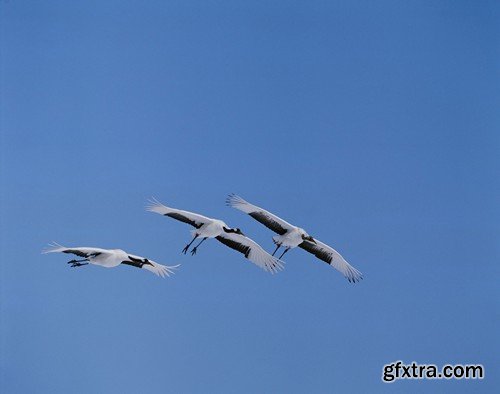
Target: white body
x=291 y=239
x=109 y=260
x=212 y=229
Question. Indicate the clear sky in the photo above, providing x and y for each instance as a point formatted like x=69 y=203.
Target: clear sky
x=374 y=125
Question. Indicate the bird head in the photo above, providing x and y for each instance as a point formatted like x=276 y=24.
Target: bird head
x=310 y=239
x=139 y=260
x=307 y=237
x=238 y=231
x=233 y=230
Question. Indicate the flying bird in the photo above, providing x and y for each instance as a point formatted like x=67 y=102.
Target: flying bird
x=110 y=258
x=290 y=236
x=205 y=228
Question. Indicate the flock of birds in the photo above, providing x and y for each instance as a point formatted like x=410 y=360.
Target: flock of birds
x=288 y=237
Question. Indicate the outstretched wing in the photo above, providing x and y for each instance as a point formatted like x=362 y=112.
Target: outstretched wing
x=252 y=251
x=191 y=218
x=152 y=266
x=268 y=219
x=84 y=251
x=332 y=257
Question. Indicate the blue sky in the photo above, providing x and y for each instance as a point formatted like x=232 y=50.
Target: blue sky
x=374 y=125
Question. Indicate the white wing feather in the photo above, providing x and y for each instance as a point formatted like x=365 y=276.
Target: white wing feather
x=161 y=270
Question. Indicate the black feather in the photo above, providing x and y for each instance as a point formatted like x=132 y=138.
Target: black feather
x=235 y=245
x=79 y=253
x=268 y=222
x=316 y=250
x=184 y=219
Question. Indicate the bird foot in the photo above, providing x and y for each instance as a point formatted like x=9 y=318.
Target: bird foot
x=185 y=249
x=76 y=264
x=193 y=252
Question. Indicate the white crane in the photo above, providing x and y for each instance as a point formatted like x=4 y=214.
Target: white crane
x=290 y=237
x=205 y=228
x=110 y=258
